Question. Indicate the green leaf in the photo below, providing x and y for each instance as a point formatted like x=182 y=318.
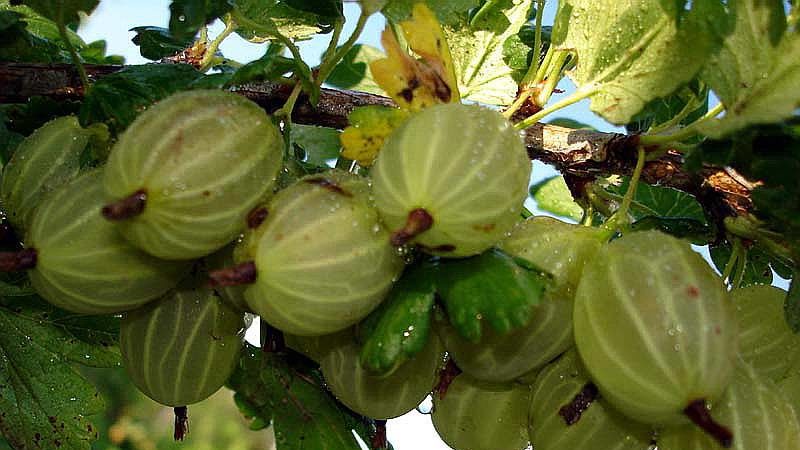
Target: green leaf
x=697 y=232
x=288 y=392
x=634 y=51
x=62 y=11
x=95 y=53
x=757 y=265
x=553 y=195
x=20 y=43
x=353 y=72
x=269 y=67
x=188 y=16
x=792 y=305
x=489 y=288
x=400 y=327
x=663 y=202
x=49 y=399
x=118 y=98
x=756 y=74
x=318 y=144
x=156 y=42
x=266 y=20
x=482 y=69
x=449 y=12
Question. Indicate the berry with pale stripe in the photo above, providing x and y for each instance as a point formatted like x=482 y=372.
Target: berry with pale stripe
x=567 y=414
x=182 y=348
x=452 y=179
x=81 y=262
x=182 y=188
x=655 y=329
x=475 y=415
x=322 y=260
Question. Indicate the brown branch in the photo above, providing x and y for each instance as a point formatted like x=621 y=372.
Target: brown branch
x=581 y=154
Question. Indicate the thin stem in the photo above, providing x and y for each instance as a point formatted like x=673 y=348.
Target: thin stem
x=536 y=76
x=737 y=281
x=583 y=92
x=288 y=107
x=213 y=46
x=483 y=11
x=553 y=77
x=327 y=66
x=620 y=218
x=73 y=54
x=685 y=133
x=537 y=39
x=337 y=32
x=731 y=261
x=293 y=48
x=673 y=122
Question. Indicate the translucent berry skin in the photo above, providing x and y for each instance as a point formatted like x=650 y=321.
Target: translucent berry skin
x=558 y=248
x=599 y=426
x=464 y=165
x=204 y=159
x=381 y=397
x=475 y=415
x=753 y=408
x=506 y=357
x=83 y=264
x=181 y=348
x=654 y=327
x=44 y=161
x=323 y=261
x=555 y=247
x=765 y=340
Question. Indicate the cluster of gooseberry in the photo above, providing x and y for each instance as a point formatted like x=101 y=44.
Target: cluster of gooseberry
x=635 y=341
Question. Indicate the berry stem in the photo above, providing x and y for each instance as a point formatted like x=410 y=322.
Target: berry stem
x=418 y=222
x=244 y=273
x=698 y=413
x=16 y=261
x=181 y=422
x=572 y=411
x=446 y=376
x=379 y=439
x=126 y=208
x=256 y=217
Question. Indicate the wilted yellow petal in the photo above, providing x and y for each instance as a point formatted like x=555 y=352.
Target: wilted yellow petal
x=415 y=84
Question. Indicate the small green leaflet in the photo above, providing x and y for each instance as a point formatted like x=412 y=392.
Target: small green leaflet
x=287 y=392
x=353 y=72
x=62 y=11
x=482 y=68
x=318 y=144
x=756 y=74
x=50 y=400
x=269 y=67
x=156 y=42
x=553 y=195
x=266 y=20
x=400 y=327
x=449 y=12
x=630 y=52
x=658 y=201
x=491 y=288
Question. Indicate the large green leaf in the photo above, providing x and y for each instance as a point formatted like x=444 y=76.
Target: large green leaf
x=658 y=201
x=287 y=391
x=756 y=74
x=490 y=288
x=353 y=72
x=634 y=51
x=265 y=20
x=156 y=42
x=484 y=71
x=44 y=401
x=62 y=11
